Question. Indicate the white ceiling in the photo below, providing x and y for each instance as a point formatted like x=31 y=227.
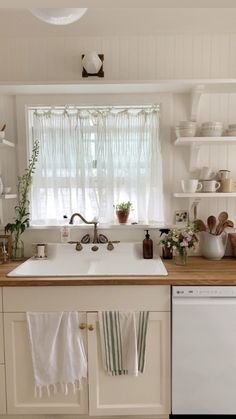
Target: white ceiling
x=112 y=21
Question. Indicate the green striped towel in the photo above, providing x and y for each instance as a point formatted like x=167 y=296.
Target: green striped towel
x=123 y=341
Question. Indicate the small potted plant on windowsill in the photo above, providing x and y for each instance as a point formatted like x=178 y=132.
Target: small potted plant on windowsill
x=123 y=211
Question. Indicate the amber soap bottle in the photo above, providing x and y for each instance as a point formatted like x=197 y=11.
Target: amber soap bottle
x=147 y=247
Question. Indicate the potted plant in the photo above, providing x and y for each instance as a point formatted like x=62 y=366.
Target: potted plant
x=122 y=211
x=22 y=207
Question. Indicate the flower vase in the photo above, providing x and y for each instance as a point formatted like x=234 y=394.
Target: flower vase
x=17 y=249
x=181 y=257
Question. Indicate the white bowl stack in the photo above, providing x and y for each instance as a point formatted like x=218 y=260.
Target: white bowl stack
x=186 y=129
x=212 y=129
x=231 y=131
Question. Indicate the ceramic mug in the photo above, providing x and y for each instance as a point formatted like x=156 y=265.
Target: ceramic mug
x=210 y=185
x=191 y=185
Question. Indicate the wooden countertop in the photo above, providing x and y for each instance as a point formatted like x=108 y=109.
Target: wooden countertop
x=197 y=271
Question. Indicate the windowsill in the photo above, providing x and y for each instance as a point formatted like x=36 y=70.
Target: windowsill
x=101 y=226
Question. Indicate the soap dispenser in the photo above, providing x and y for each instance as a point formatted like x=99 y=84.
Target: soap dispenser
x=147 y=247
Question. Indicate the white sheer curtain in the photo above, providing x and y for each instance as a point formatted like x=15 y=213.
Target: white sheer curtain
x=91 y=159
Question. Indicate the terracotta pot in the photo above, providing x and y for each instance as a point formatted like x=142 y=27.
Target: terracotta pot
x=122 y=216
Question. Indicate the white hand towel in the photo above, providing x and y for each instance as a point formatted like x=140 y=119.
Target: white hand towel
x=57 y=350
x=123 y=341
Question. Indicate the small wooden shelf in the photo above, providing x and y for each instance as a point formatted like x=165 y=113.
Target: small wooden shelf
x=8 y=196
x=205 y=195
x=6 y=143
x=197 y=141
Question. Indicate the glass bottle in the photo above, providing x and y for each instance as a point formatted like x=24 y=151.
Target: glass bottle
x=17 y=249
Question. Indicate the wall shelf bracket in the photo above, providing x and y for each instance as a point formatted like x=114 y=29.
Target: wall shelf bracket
x=195 y=100
x=194 y=157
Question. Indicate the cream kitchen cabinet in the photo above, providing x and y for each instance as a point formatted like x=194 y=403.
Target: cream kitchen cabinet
x=2 y=391
x=2 y=366
x=148 y=394
x=19 y=376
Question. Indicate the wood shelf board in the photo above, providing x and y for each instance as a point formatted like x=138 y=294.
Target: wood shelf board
x=204 y=140
x=205 y=195
x=124 y=86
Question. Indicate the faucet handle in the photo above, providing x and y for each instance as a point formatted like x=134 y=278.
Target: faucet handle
x=110 y=244
x=78 y=246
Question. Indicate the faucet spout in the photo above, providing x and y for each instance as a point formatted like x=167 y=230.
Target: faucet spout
x=93 y=222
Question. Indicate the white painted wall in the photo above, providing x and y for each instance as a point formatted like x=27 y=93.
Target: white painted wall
x=161 y=56
x=164 y=56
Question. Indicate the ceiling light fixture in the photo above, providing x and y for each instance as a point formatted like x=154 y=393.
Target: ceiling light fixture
x=58 y=16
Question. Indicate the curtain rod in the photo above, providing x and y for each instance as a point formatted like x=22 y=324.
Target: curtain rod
x=35 y=108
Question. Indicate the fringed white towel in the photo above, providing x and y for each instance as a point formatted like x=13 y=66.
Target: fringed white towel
x=57 y=350
x=123 y=341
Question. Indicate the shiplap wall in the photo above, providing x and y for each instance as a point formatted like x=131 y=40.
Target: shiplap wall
x=126 y=58
x=137 y=58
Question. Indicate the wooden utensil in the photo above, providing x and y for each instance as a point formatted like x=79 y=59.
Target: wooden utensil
x=222 y=217
x=228 y=223
x=211 y=222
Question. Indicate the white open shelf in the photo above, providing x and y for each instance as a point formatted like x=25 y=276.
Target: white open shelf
x=6 y=143
x=124 y=86
x=204 y=140
x=205 y=195
x=8 y=196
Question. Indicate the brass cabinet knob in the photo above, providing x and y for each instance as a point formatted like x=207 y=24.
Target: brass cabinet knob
x=90 y=327
x=82 y=326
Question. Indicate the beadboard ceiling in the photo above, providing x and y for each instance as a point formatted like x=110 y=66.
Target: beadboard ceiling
x=139 y=20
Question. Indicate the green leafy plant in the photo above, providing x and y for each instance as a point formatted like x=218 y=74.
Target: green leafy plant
x=22 y=207
x=124 y=206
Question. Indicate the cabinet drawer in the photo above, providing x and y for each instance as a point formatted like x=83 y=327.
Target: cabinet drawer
x=1 y=340
x=87 y=298
x=2 y=391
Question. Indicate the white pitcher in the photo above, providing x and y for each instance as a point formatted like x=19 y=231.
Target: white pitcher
x=212 y=246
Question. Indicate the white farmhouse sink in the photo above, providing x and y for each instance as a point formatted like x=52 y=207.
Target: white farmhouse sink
x=65 y=260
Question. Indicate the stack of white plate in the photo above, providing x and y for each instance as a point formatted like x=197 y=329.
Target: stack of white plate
x=231 y=131
x=212 y=129
x=186 y=129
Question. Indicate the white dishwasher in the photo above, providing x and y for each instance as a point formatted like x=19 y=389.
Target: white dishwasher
x=203 y=350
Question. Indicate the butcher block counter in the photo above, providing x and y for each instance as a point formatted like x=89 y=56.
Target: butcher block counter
x=197 y=271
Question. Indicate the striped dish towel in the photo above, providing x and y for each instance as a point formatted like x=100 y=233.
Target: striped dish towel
x=123 y=341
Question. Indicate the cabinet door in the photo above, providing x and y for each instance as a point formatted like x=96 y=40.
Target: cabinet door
x=19 y=376
x=2 y=391
x=126 y=395
x=1 y=340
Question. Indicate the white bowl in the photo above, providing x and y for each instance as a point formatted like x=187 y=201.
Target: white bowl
x=185 y=132
x=212 y=132
x=186 y=124
x=212 y=124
